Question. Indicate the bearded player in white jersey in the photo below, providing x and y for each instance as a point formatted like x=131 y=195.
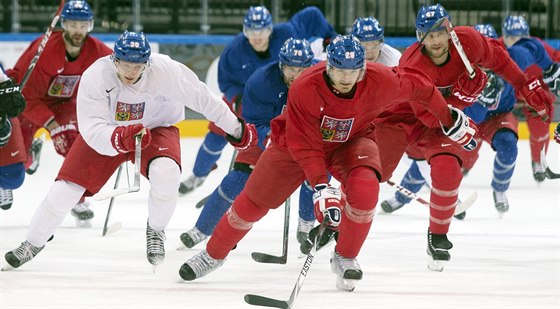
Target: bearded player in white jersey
x=120 y=96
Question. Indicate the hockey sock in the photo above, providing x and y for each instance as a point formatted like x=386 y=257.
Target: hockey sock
x=306 y=208
x=234 y=226
x=164 y=175
x=362 y=193
x=220 y=201
x=12 y=176
x=446 y=179
x=50 y=214
x=412 y=181
x=505 y=144
x=539 y=136
x=208 y=154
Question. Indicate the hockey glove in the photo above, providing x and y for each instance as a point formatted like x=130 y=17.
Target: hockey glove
x=249 y=136
x=535 y=97
x=326 y=201
x=5 y=131
x=123 y=137
x=12 y=101
x=63 y=137
x=551 y=77
x=463 y=129
x=466 y=89
x=557 y=133
x=490 y=95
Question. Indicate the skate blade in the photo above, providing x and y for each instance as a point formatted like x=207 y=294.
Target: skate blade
x=154 y=267
x=182 y=247
x=347 y=285
x=86 y=224
x=7 y=267
x=436 y=265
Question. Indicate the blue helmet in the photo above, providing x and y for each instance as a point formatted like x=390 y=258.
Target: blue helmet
x=428 y=16
x=77 y=10
x=257 y=18
x=367 y=29
x=346 y=52
x=296 y=53
x=515 y=26
x=487 y=30
x=132 y=47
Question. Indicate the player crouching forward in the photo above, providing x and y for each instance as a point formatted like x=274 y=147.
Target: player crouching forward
x=120 y=96
x=327 y=128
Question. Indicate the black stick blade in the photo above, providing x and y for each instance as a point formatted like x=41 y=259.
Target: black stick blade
x=550 y=174
x=267 y=258
x=202 y=202
x=257 y=300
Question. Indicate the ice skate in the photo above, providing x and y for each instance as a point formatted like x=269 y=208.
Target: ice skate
x=6 y=198
x=391 y=205
x=538 y=171
x=191 y=238
x=328 y=236
x=199 y=266
x=500 y=202
x=191 y=183
x=83 y=214
x=303 y=229
x=155 y=246
x=438 y=251
x=347 y=271
x=23 y=254
x=36 y=147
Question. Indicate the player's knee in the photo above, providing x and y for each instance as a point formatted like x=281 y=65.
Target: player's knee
x=12 y=176
x=164 y=175
x=505 y=140
x=362 y=188
x=446 y=172
x=246 y=210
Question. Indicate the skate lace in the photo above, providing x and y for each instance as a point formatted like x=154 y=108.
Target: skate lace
x=304 y=226
x=343 y=264
x=26 y=251
x=6 y=196
x=196 y=235
x=203 y=263
x=155 y=241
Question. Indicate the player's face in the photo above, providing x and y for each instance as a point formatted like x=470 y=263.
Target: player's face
x=510 y=40
x=258 y=38
x=290 y=74
x=436 y=45
x=75 y=32
x=129 y=72
x=343 y=79
x=373 y=50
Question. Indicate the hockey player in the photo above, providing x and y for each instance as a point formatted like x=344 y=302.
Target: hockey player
x=51 y=89
x=328 y=128
x=257 y=45
x=371 y=36
x=515 y=31
x=119 y=97
x=497 y=125
x=12 y=152
x=436 y=56
x=265 y=97
x=557 y=133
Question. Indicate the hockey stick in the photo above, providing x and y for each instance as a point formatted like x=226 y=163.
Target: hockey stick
x=203 y=201
x=258 y=300
x=136 y=185
x=548 y=172
x=459 y=209
x=115 y=226
x=272 y=259
x=458 y=46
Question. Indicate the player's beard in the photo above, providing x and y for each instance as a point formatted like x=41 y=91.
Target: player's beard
x=76 y=40
x=435 y=55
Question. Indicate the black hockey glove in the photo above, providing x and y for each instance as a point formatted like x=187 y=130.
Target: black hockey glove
x=490 y=95
x=12 y=102
x=551 y=77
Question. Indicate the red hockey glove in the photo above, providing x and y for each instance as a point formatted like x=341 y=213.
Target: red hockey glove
x=249 y=136
x=557 y=133
x=462 y=131
x=536 y=98
x=467 y=90
x=123 y=138
x=63 y=137
x=12 y=102
x=326 y=200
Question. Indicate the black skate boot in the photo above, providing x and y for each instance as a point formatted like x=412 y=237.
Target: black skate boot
x=191 y=238
x=155 y=246
x=83 y=214
x=193 y=182
x=501 y=203
x=538 y=171
x=6 y=198
x=347 y=271
x=391 y=205
x=328 y=236
x=438 y=251
x=199 y=266
x=23 y=254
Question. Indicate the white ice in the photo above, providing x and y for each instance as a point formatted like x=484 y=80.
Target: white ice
x=508 y=263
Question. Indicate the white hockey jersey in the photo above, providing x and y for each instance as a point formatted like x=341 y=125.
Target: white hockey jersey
x=157 y=99
x=389 y=56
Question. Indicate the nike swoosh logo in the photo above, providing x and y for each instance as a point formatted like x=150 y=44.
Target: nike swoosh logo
x=362 y=157
x=506 y=122
x=445 y=145
x=13 y=154
x=60 y=70
x=109 y=90
x=162 y=148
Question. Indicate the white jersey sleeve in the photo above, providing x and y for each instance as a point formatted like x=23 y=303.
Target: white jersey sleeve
x=3 y=76
x=390 y=56
x=157 y=99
